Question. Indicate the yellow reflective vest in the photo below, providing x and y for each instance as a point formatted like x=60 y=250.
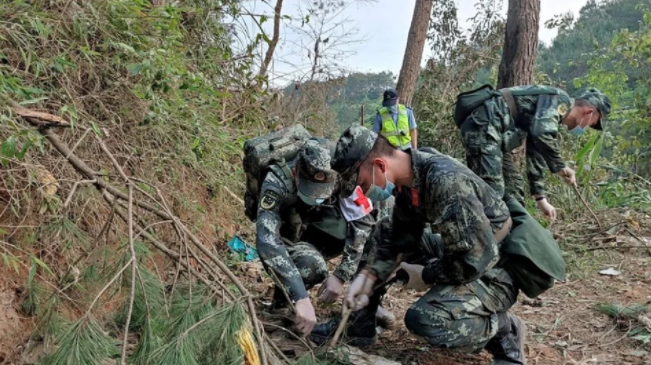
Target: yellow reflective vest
x=398 y=136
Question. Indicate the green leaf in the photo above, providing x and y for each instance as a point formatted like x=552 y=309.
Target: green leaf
x=32 y=273
x=33 y=101
x=42 y=264
x=8 y=149
x=96 y=129
x=24 y=149
x=580 y=157
x=33 y=90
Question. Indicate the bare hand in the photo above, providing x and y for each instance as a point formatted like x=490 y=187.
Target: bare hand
x=305 y=316
x=332 y=290
x=568 y=175
x=415 y=277
x=547 y=209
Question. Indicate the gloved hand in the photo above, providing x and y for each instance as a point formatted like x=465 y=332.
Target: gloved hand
x=305 y=317
x=359 y=291
x=547 y=209
x=331 y=290
x=568 y=175
x=415 y=277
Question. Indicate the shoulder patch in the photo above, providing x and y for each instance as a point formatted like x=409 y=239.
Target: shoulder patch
x=269 y=200
x=562 y=109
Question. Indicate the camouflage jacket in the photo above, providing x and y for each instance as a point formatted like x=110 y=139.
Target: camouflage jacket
x=282 y=219
x=539 y=117
x=460 y=206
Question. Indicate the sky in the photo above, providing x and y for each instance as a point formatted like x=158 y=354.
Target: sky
x=381 y=25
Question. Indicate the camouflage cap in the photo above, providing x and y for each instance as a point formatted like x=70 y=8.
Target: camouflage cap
x=352 y=149
x=600 y=101
x=316 y=179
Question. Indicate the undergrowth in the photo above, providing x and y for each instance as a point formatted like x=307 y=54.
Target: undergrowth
x=162 y=87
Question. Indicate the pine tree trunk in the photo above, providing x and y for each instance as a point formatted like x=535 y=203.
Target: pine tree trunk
x=520 y=43
x=519 y=55
x=414 y=51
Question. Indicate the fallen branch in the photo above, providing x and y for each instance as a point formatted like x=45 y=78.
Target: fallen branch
x=74 y=189
x=134 y=269
x=576 y=190
x=107 y=187
x=614 y=247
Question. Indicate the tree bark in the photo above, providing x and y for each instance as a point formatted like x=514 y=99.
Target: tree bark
x=519 y=55
x=274 y=40
x=520 y=43
x=414 y=51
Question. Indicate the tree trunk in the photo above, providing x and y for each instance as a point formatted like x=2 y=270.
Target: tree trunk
x=519 y=55
x=414 y=51
x=274 y=40
x=520 y=43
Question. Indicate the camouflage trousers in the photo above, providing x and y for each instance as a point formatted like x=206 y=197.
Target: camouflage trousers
x=461 y=317
x=312 y=266
x=489 y=149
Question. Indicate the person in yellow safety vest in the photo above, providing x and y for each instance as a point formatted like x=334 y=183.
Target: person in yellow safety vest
x=396 y=122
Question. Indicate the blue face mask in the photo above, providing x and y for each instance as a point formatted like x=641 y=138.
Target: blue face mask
x=579 y=129
x=375 y=193
x=310 y=201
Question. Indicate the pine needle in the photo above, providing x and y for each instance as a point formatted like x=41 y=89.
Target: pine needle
x=150 y=341
x=50 y=323
x=149 y=298
x=84 y=343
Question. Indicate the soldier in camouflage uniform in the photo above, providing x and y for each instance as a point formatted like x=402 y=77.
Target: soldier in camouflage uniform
x=490 y=134
x=467 y=296
x=301 y=223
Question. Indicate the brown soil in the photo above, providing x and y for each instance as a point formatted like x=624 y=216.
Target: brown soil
x=14 y=327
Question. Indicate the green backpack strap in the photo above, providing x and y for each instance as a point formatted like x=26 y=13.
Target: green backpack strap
x=510 y=101
x=283 y=172
x=509 y=96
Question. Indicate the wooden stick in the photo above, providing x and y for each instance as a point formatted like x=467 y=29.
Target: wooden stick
x=134 y=269
x=614 y=247
x=342 y=325
x=576 y=190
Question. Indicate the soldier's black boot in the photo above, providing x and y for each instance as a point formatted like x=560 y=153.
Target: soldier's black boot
x=359 y=331
x=507 y=346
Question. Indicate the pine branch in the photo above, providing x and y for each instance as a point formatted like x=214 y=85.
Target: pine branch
x=134 y=269
x=107 y=187
x=83 y=343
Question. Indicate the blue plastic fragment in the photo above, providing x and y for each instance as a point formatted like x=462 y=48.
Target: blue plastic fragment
x=237 y=244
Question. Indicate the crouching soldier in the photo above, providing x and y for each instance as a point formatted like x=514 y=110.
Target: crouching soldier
x=302 y=222
x=468 y=290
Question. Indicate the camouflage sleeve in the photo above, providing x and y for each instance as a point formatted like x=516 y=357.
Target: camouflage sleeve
x=535 y=170
x=403 y=236
x=271 y=248
x=356 y=236
x=469 y=247
x=544 y=130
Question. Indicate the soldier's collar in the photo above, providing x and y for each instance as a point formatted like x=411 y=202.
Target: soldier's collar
x=416 y=161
